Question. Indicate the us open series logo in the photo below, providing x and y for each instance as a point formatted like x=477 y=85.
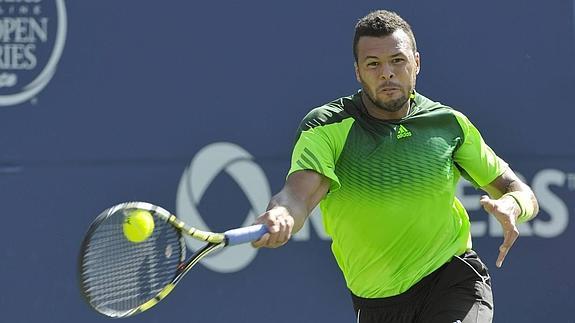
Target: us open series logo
x=32 y=38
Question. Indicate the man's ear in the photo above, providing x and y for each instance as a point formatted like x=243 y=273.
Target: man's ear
x=417 y=63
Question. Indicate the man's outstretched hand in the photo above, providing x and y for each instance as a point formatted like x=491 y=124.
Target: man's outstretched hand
x=505 y=210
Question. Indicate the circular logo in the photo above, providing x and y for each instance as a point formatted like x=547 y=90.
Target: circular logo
x=32 y=38
x=205 y=166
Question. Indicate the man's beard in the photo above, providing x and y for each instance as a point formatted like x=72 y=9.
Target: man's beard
x=390 y=106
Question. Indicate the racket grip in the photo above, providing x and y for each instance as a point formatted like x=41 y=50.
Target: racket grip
x=245 y=234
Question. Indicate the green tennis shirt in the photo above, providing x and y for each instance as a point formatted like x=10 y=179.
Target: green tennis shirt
x=391 y=210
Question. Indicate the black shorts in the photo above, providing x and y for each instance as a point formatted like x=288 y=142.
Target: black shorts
x=457 y=292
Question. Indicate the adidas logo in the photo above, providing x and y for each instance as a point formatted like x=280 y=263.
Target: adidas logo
x=402 y=132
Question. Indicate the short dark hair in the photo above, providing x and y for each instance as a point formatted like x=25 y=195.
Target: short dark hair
x=381 y=23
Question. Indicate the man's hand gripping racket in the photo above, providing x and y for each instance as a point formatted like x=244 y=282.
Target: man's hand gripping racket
x=120 y=277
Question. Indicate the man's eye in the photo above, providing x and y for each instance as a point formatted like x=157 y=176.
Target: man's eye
x=373 y=64
x=398 y=60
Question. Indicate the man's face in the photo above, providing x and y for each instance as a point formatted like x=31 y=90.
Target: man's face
x=387 y=68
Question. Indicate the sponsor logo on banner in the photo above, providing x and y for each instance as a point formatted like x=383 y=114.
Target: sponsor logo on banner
x=32 y=38
x=206 y=165
x=240 y=165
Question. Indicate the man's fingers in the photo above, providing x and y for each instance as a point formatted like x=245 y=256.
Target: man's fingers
x=492 y=207
x=281 y=234
x=279 y=230
x=488 y=204
x=501 y=211
x=262 y=241
x=275 y=236
x=484 y=198
x=508 y=241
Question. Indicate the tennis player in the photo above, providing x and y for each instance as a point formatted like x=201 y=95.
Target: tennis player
x=383 y=164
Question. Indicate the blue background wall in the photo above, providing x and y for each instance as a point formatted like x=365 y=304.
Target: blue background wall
x=142 y=87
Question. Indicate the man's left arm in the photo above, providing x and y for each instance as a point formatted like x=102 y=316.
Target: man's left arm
x=511 y=202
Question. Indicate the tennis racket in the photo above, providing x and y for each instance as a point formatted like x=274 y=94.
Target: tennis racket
x=120 y=278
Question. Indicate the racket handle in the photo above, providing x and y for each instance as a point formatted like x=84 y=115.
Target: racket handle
x=245 y=234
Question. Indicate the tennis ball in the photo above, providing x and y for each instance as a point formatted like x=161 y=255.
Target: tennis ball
x=138 y=225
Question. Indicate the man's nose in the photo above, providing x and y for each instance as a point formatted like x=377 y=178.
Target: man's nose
x=386 y=72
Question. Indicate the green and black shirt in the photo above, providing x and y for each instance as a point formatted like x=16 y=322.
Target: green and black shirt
x=391 y=210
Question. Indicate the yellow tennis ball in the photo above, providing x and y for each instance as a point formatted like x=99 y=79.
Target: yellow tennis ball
x=138 y=225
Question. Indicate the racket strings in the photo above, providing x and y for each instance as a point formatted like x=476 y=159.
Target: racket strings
x=118 y=275
x=100 y=256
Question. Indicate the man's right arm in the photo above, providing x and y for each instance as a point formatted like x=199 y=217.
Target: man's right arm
x=288 y=210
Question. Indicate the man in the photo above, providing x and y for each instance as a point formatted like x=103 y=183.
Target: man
x=384 y=163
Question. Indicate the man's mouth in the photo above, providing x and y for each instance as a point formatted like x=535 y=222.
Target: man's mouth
x=388 y=89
